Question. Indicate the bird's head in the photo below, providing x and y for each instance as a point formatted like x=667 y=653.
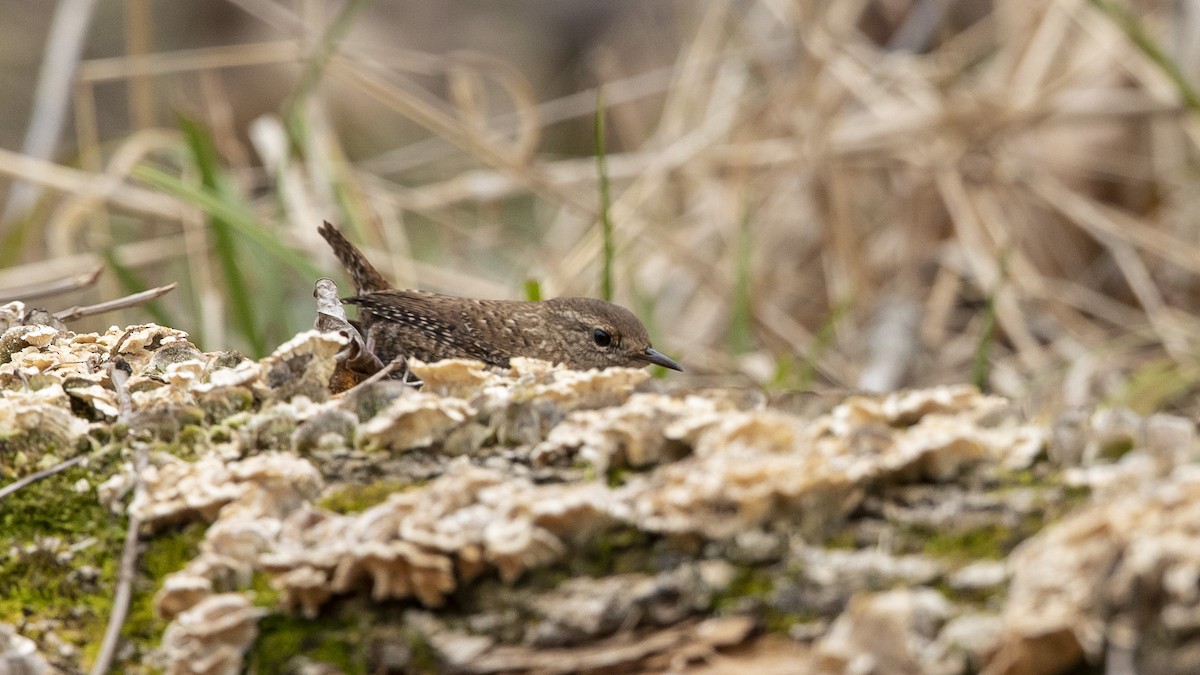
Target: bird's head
x=599 y=334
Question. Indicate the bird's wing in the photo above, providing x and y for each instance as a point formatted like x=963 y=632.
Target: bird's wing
x=440 y=318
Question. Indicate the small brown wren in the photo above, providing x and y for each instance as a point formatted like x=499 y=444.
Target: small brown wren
x=579 y=333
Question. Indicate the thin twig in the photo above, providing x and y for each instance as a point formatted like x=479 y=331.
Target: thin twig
x=112 y=305
x=121 y=597
x=44 y=473
x=398 y=362
x=118 y=373
x=52 y=287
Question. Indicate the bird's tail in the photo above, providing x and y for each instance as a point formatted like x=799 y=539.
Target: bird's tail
x=366 y=278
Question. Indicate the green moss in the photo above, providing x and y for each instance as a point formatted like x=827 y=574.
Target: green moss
x=619 y=551
x=616 y=475
x=775 y=621
x=265 y=594
x=983 y=598
x=52 y=508
x=169 y=552
x=117 y=432
x=1116 y=449
x=70 y=585
x=338 y=639
x=1023 y=478
x=193 y=438
x=68 y=581
x=989 y=542
x=274 y=434
x=752 y=583
x=31 y=448
x=846 y=539
x=221 y=403
x=358 y=498
x=422 y=659
x=1075 y=496
x=753 y=590
x=1058 y=498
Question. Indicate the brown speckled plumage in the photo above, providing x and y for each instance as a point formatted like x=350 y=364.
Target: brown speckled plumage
x=579 y=333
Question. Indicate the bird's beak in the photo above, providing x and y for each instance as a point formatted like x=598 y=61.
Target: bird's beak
x=659 y=359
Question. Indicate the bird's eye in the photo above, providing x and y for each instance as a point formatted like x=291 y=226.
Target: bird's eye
x=601 y=337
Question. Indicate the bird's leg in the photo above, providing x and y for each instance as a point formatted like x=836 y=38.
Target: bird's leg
x=400 y=363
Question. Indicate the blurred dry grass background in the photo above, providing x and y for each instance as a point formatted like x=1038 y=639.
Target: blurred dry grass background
x=864 y=193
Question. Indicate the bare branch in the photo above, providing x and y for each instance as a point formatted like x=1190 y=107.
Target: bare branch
x=53 y=287
x=124 y=590
x=44 y=473
x=112 y=305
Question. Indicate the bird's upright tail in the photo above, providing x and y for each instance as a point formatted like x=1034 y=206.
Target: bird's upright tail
x=366 y=278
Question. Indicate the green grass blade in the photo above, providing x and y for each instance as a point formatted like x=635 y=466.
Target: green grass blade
x=314 y=67
x=825 y=338
x=1137 y=33
x=606 y=274
x=239 y=218
x=533 y=290
x=12 y=241
x=981 y=366
x=212 y=177
x=1158 y=385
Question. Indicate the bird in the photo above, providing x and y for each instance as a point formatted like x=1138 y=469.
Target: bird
x=577 y=332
